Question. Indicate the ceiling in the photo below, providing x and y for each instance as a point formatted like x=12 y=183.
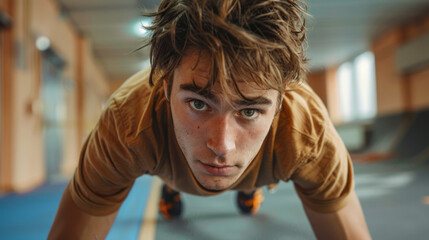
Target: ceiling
x=338 y=29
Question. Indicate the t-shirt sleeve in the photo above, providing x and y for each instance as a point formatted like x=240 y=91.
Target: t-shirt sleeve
x=325 y=180
x=106 y=169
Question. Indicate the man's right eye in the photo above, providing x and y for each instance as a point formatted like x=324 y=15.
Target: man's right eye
x=198 y=105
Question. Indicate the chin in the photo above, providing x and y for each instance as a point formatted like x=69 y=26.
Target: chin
x=215 y=184
x=214 y=187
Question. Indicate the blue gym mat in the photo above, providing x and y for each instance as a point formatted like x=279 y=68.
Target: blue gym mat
x=29 y=216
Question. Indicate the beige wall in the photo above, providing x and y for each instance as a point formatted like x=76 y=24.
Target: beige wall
x=7 y=79
x=26 y=160
x=419 y=81
x=318 y=82
x=395 y=92
x=419 y=88
x=390 y=95
x=324 y=83
x=96 y=90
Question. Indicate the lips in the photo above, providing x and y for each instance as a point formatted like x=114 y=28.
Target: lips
x=217 y=170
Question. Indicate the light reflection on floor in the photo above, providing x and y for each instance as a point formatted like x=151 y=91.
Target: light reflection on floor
x=374 y=185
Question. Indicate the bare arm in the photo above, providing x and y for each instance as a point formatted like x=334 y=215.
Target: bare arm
x=347 y=223
x=72 y=223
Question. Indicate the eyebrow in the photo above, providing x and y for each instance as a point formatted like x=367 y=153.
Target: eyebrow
x=254 y=101
x=209 y=95
x=199 y=90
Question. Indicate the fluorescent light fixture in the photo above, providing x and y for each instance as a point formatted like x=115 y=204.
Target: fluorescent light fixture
x=43 y=43
x=141 y=25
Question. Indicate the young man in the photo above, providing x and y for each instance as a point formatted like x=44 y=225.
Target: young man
x=222 y=108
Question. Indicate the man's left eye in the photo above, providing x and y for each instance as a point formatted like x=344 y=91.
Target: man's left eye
x=249 y=113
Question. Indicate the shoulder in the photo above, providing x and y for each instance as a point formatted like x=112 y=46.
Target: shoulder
x=304 y=111
x=138 y=114
x=133 y=91
x=138 y=104
x=302 y=121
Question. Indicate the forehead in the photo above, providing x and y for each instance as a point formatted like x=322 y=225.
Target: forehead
x=195 y=68
x=195 y=63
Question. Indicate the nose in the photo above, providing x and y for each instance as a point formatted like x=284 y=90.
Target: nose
x=221 y=136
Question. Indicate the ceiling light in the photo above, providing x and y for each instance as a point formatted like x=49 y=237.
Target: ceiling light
x=43 y=43
x=140 y=27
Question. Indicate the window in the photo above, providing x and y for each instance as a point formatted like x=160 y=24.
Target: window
x=357 y=88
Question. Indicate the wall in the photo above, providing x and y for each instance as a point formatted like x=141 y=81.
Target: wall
x=390 y=95
x=26 y=160
x=324 y=84
x=96 y=91
x=7 y=59
x=27 y=163
x=418 y=81
x=397 y=92
x=46 y=21
x=318 y=82
x=419 y=88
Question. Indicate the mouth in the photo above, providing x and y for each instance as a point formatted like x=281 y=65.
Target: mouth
x=217 y=170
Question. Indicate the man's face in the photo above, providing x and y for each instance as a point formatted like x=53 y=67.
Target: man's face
x=219 y=139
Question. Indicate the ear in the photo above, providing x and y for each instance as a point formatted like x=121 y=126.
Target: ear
x=165 y=85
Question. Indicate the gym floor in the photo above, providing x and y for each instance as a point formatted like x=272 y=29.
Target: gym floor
x=394 y=196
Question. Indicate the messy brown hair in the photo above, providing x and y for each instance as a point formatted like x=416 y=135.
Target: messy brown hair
x=258 y=41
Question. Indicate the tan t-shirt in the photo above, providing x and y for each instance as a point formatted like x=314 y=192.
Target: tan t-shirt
x=135 y=136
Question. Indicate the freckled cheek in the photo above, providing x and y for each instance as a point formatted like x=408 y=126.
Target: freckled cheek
x=191 y=128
